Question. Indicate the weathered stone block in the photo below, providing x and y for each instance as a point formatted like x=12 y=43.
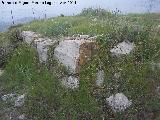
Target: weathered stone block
x=75 y=53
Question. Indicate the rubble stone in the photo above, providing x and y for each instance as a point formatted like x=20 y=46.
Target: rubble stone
x=118 y=102
x=100 y=78
x=122 y=48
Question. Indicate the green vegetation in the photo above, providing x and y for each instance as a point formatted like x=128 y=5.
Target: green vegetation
x=48 y=100
x=8 y=42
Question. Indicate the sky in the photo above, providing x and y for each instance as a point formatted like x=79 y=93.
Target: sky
x=21 y=11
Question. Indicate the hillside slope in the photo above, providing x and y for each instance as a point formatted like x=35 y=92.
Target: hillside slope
x=136 y=74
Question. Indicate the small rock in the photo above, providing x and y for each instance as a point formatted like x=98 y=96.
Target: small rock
x=20 y=101
x=71 y=82
x=1 y=72
x=118 y=102
x=21 y=117
x=84 y=36
x=117 y=75
x=8 y=97
x=122 y=48
x=93 y=38
x=100 y=78
x=29 y=36
x=95 y=19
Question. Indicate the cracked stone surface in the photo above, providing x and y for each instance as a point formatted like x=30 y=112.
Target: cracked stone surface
x=118 y=102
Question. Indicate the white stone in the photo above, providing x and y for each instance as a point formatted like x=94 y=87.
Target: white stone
x=42 y=45
x=29 y=36
x=21 y=117
x=100 y=78
x=20 y=101
x=70 y=82
x=8 y=97
x=122 y=48
x=68 y=52
x=118 y=102
x=84 y=36
x=1 y=72
x=95 y=19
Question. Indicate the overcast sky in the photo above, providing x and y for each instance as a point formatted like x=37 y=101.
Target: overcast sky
x=126 y=6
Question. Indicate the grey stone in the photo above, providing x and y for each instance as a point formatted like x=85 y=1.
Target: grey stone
x=21 y=117
x=9 y=97
x=122 y=48
x=118 y=102
x=29 y=36
x=73 y=53
x=42 y=45
x=84 y=36
x=67 y=52
x=100 y=78
x=19 y=102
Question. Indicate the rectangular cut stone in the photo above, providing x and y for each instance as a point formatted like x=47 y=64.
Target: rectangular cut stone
x=75 y=53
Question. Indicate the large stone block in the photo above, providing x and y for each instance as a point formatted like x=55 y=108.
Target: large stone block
x=75 y=53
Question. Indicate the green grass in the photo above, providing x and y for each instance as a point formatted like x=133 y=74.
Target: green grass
x=48 y=100
x=8 y=42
